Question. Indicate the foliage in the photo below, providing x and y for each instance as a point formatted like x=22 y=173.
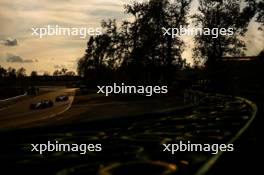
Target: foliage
x=138 y=47
x=220 y=14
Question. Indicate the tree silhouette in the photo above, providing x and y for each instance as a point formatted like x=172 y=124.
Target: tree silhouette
x=260 y=11
x=21 y=72
x=46 y=74
x=3 y=72
x=70 y=73
x=220 y=14
x=63 y=72
x=138 y=47
x=256 y=7
x=98 y=54
x=151 y=50
x=86 y=63
x=57 y=73
x=11 y=73
x=34 y=74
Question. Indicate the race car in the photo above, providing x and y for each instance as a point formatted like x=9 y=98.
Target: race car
x=42 y=104
x=62 y=98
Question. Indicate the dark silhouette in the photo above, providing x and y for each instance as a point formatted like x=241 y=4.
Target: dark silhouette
x=138 y=49
x=260 y=11
x=63 y=72
x=3 y=72
x=21 y=72
x=256 y=7
x=220 y=14
x=34 y=74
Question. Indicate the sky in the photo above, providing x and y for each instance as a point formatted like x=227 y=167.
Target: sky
x=19 y=48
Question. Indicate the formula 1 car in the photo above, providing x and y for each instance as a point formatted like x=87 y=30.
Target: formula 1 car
x=62 y=98
x=42 y=104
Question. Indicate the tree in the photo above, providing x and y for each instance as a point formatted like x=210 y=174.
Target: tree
x=220 y=14
x=46 y=74
x=139 y=47
x=255 y=7
x=152 y=50
x=87 y=63
x=100 y=52
x=70 y=73
x=21 y=72
x=260 y=11
x=11 y=73
x=34 y=74
x=64 y=71
x=57 y=73
x=3 y=72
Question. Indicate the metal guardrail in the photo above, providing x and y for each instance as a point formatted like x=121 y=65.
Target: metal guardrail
x=208 y=165
x=13 y=98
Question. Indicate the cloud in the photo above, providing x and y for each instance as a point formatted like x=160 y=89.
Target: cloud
x=14 y=58
x=28 y=61
x=59 y=66
x=9 y=42
x=17 y=59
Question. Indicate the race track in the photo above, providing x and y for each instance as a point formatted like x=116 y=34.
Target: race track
x=20 y=114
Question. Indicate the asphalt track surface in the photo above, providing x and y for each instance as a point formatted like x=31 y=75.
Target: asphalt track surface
x=20 y=114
